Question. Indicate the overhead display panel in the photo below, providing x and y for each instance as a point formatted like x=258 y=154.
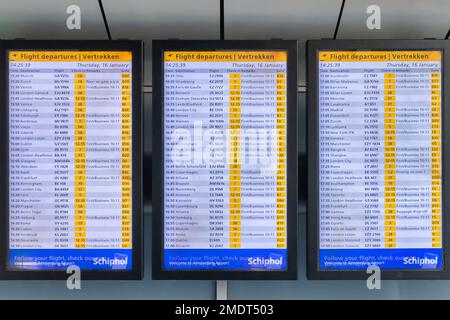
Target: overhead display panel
x=225 y=203
x=74 y=190
x=377 y=184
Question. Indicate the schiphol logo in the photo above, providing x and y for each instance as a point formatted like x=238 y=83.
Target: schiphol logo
x=119 y=261
x=273 y=262
x=428 y=261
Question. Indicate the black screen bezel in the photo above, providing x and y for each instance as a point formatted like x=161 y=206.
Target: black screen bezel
x=159 y=46
x=312 y=49
x=136 y=48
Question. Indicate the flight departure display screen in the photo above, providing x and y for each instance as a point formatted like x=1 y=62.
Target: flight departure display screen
x=380 y=159
x=224 y=173
x=70 y=152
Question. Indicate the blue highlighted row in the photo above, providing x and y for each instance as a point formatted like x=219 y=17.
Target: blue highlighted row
x=60 y=259
x=398 y=259
x=225 y=259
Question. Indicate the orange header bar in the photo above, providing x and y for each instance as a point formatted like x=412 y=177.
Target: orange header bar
x=70 y=56
x=225 y=56
x=375 y=56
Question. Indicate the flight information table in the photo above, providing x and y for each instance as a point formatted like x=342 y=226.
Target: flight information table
x=225 y=160
x=70 y=159
x=380 y=159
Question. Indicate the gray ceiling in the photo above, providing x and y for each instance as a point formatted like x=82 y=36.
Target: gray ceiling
x=244 y=19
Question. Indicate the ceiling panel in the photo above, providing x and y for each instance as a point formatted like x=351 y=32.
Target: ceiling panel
x=156 y=19
x=286 y=19
x=408 y=19
x=46 y=19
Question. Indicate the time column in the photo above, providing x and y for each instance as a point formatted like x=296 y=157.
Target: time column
x=80 y=160
x=126 y=160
